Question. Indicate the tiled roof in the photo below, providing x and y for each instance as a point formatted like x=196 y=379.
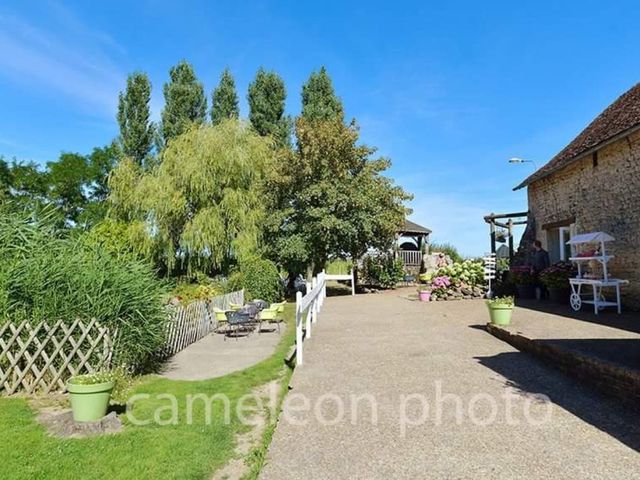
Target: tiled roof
x=620 y=116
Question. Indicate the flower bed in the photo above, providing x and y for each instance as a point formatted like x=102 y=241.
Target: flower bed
x=522 y=275
x=463 y=280
x=557 y=275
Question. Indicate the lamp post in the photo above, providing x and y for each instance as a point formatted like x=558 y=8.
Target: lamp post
x=522 y=160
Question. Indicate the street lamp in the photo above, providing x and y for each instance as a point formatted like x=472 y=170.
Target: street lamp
x=522 y=160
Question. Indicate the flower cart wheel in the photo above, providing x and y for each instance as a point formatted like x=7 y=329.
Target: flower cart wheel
x=575 y=301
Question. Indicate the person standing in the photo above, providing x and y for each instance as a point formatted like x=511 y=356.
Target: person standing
x=539 y=261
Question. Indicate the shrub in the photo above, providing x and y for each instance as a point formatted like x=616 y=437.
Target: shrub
x=198 y=287
x=112 y=236
x=45 y=275
x=522 y=275
x=259 y=278
x=339 y=266
x=382 y=270
x=440 y=285
x=447 y=249
x=469 y=272
x=557 y=275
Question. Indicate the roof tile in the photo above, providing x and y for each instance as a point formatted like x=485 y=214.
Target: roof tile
x=621 y=115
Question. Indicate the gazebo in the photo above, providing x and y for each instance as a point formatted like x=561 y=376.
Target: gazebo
x=413 y=240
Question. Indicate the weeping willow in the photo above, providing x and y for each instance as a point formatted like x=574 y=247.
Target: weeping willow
x=201 y=207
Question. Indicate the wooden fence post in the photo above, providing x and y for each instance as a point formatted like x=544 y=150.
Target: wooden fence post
x=298 y=329
x=353 y=284
x=314 y=305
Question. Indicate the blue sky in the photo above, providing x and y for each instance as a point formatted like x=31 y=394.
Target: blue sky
x=448 y=90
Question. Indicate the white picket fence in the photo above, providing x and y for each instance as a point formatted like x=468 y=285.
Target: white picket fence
x=308 y=307
x=196 y=320
x=348 y=276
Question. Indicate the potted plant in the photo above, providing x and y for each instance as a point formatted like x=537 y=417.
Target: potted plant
x=424 y=293
x=524 y=280
x=556 y=279
x=90 y=395
x=500 y=310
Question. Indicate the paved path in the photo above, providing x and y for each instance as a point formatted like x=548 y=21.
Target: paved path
x=213 y=356
x=388 y=347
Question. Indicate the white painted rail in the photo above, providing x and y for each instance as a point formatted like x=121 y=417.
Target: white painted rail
x=308 y=308
x=348 y=276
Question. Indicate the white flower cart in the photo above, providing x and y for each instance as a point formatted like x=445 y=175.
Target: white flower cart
x=589 y=249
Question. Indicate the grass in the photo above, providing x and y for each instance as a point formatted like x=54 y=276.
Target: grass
x=339 y=266
x=153 y=451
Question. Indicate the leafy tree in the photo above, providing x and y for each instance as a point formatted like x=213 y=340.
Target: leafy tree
x=319 y=100
x=67 y=179
x=101 y=161
x=28 y=186
x=185 y=101
x=136 y=130
x=224 y=101
x=330 y=199
x=75 y=184
x=267 y=95
x=5 y=179
x=201 y=208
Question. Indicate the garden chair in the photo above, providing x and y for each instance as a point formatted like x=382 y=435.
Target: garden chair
x=260 y=304
x=272 y=314
x=237 y=321
x=221 y=319
x=280 y=306
x=235 y=306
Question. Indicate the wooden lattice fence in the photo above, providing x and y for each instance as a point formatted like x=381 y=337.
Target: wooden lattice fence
x=41 y=357
x=196 y=320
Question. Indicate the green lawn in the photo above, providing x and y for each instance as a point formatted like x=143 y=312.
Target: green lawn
x=153 y=451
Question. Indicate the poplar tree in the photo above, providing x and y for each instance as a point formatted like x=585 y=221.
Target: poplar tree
x=136 y=129
x=224 y=100
x=185 y=101
x=267 y=95
x=319 y=100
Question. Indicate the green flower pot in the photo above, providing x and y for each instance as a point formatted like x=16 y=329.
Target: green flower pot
x=500 y=314
x=89 y=403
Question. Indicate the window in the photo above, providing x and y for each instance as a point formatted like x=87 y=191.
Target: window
x=557 y=238
x=594 y=158
x=564 y=234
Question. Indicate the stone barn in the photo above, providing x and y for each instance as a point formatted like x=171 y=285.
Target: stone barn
x=593 y=184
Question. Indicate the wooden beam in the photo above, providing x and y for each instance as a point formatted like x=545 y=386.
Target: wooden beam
x=510 y=228
x=495 y=216
x=560 y=223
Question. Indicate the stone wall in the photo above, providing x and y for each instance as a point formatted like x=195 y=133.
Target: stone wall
x=603 y=197
x=607 y=377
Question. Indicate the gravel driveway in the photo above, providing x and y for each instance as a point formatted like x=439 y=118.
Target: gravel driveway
x=392 y=388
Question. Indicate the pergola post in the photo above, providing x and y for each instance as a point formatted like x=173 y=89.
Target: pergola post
x=510 y=230
x=492 y=227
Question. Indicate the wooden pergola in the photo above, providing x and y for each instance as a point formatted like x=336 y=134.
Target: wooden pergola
x=498 y=220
